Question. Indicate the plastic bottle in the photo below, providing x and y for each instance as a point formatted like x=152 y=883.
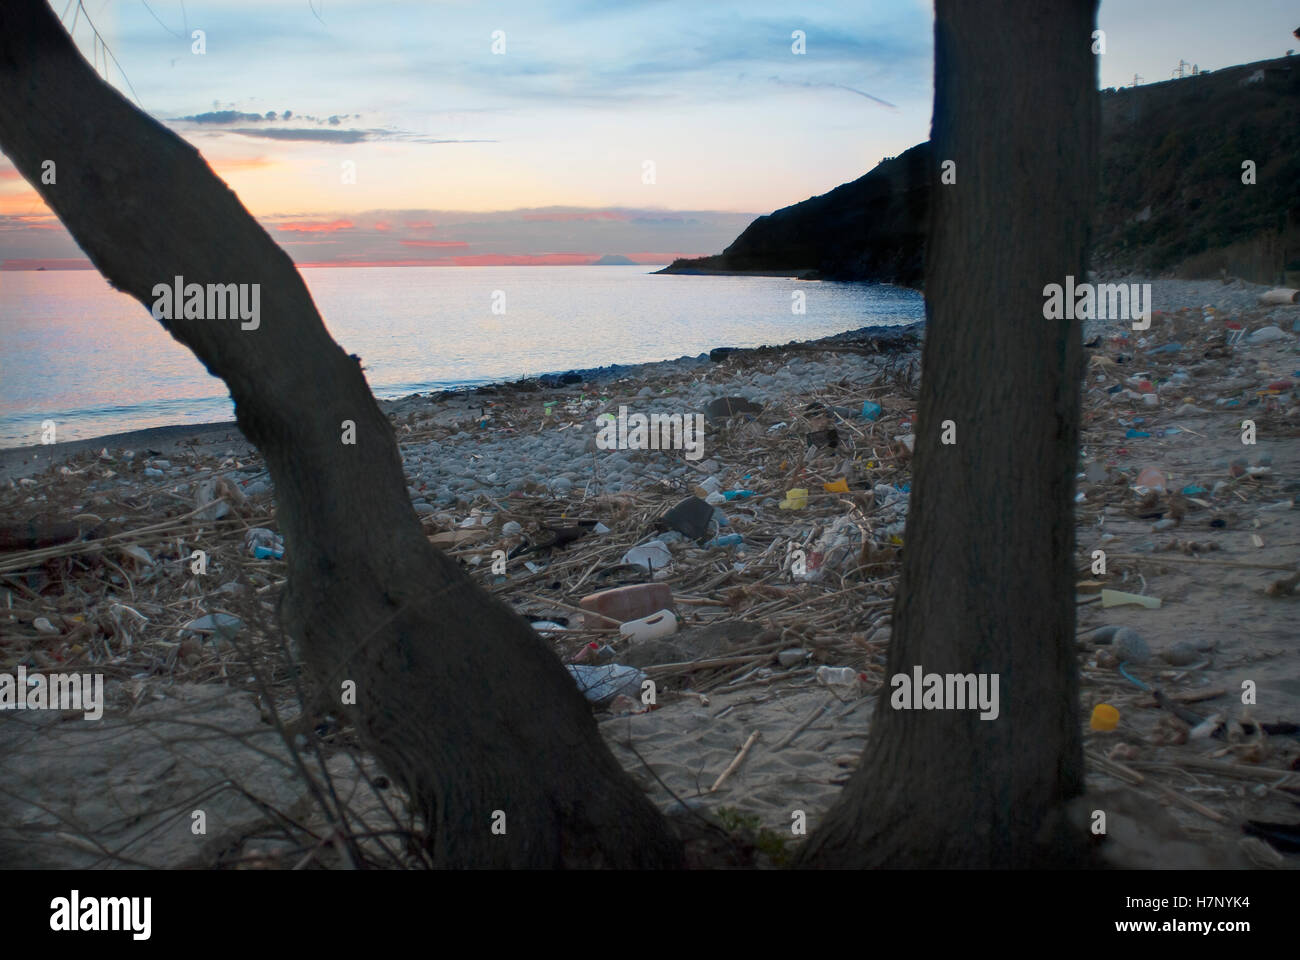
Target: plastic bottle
x=837 y=676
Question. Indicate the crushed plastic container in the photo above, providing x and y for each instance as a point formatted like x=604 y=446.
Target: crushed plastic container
x=660 y=624
x=843 y=681
x=871 y=410
x=609 y=608
x=653 y=556
x=601 y=684
x=795 y=499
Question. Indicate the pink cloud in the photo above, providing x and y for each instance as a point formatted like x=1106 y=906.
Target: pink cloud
x=307 y=226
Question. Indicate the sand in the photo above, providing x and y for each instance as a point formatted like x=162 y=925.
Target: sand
x=1197 y=793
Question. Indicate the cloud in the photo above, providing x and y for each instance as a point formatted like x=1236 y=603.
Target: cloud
x=435 y=243
x=226 y=120
x=324 y=136
x=33 y=221
x=48 y=263
x=242 y=163
x=324 y=131
x=570 y=217
x=311 y=226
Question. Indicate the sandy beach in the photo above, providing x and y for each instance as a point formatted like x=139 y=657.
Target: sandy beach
x=749 y=729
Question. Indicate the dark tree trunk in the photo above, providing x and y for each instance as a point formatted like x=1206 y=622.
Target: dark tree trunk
x=456 y=695
x=988 y=580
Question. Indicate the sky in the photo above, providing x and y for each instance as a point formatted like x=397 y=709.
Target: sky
x=552 y=131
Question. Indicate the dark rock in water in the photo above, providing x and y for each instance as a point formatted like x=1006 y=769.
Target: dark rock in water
x=559 y=379
x=724 y=407
x=718 y=354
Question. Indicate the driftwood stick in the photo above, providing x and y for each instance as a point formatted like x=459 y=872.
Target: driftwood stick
x=804 y=724
x=731 y=767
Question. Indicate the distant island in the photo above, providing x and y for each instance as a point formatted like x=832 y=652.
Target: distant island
x=614 y=260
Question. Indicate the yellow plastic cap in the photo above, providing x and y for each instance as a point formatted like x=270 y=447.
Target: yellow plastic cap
x=1104 y=717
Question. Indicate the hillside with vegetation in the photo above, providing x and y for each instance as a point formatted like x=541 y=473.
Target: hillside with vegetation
x=1171 y=199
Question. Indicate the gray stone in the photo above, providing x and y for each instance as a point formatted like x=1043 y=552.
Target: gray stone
x=1181 y=654
x=1130 y=647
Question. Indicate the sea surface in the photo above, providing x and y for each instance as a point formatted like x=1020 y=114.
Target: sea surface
x=77 y=352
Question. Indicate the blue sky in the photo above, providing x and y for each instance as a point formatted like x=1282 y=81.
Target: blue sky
x=566 y=118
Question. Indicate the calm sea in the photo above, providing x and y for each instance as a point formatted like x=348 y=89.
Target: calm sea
x=77 y=352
